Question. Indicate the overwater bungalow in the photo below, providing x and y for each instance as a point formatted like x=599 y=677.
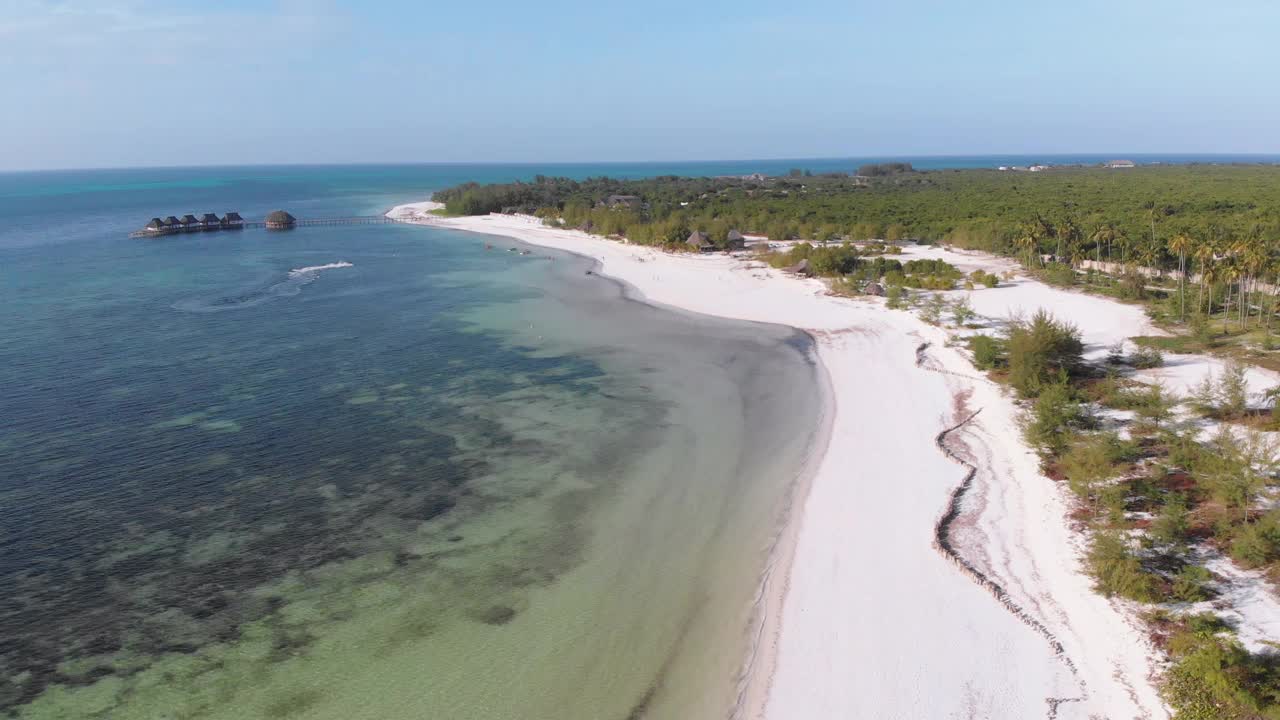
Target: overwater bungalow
x=280 y=220
x=189 y=222
x=233 y=221
x=156 y=225
x=173 y=223
x=210 y=221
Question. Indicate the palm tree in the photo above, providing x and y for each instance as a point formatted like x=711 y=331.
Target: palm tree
x=1028 y=239
x=1104 y=234
x=1204 y=262
x=1256 y=258
x=1179 y=244
x=1229 y=272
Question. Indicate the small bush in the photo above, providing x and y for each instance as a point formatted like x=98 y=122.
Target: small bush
x=896 y=297
x=1171 y=525
x=961 y=311
x=1054 y=418
x=1233 y=392
x=931 y=309
x=1042 y=352
x=1117 y=571
x=1145 y=358
x=988 y=352
x=1088 y=463
x=1191 y=584
x=1257 y=544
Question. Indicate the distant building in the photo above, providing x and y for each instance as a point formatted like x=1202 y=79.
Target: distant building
x=632 y=202
x=156 y=226
x=189 y=222
x=736 y=240
x=1038 y=168
x=1004 y=167
x=875 y=289
x=1121 y=164
x=173 y=223
x=233 y=221
x=210 y=222
x=280 y=220
x=699 y=241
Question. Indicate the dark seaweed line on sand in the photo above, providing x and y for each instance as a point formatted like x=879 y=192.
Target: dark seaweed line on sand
x=942 y=543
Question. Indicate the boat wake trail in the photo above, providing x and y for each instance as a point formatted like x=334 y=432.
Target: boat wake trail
x=943 y=544
x=290 y=286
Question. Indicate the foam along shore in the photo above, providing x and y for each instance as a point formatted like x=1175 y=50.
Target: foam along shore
x=861 y=615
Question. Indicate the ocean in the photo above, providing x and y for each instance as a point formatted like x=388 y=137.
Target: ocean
x=375 y=472
x=368 y=471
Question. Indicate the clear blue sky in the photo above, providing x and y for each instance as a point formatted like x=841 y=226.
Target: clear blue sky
x=91 y=83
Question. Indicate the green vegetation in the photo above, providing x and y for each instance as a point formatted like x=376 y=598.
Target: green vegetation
x=1042 y=352
x=1214 y=678
x=1153 y=498
x=1215 y=229
x=1158 y=216
x=988 y=352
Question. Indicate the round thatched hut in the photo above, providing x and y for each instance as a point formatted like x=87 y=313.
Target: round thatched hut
x=280 y=220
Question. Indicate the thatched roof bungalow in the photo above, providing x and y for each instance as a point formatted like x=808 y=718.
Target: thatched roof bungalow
x=280 y=220
x=189 y=222
x=210 y=221
x=875 y=289
x=628 y=201
x=736 y=240
x=156 y=225
x=699 y=241
x=172 y=222
x=232 y=220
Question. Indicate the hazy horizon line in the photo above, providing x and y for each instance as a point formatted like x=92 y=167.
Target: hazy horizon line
x=1120 y=155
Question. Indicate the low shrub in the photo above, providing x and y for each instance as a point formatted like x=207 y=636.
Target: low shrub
x=1117 y=571
x=988 y=352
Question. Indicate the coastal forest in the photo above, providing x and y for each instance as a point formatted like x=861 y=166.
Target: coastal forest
x=1128 y=215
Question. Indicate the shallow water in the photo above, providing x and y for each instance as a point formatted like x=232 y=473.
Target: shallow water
x=440 y=482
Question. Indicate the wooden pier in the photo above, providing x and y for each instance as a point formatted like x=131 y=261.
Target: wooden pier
x=180 y=229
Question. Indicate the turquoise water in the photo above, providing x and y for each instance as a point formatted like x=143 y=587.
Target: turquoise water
x=440 y=481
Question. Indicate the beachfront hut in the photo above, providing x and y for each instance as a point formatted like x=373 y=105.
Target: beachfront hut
x=699 y=241
x=875 y=289
x=233 y=221
x=736 y=241
x=800 y=268
x=280 y=220
x=627 y=201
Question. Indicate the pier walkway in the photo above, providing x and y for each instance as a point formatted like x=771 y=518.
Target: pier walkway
x=314 y=222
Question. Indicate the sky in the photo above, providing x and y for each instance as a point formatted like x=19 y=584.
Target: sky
x=125 y=83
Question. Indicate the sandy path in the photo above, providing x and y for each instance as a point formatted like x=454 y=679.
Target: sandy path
x=874 y=621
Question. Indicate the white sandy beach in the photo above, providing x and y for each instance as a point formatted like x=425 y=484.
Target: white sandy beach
x=864 y=617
